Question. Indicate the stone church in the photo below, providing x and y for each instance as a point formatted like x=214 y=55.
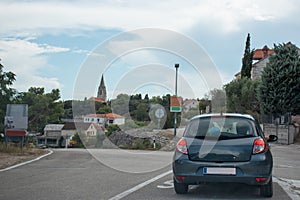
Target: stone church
x=101 y=94
x=102 y=90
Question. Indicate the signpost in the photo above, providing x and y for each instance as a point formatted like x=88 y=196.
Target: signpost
x=175 y=105
x=16 y=122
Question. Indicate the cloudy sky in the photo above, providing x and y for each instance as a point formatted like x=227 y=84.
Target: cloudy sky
x=59 y=44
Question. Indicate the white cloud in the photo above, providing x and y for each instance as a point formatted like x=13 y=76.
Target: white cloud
x=25 y=59
x=222 y=16
x=30 y=19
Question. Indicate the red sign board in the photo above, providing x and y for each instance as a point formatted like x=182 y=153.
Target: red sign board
x=15 y=132
x=175 y=104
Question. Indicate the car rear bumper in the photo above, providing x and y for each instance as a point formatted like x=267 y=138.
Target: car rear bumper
x=191 y=172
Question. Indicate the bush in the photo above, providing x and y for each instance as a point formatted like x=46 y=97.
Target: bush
x=14 y=148
x=140 y=123
x=77 y=141
x=111 y=129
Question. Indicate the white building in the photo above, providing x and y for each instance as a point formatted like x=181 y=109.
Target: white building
x=109 y=118
x=189 y=104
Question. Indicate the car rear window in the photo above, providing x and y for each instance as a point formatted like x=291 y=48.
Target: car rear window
x=221 y=128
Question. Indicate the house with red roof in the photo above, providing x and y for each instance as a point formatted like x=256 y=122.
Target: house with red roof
x=260 y=60
x=261 y=56
x=107 y=119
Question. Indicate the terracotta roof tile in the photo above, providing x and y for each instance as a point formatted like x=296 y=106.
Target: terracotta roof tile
x=262 y=53
x=107 y=115
x=97 y=99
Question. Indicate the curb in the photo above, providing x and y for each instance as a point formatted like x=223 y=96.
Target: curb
x=27 y=162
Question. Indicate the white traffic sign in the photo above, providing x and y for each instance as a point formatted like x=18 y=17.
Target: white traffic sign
x=159 y=113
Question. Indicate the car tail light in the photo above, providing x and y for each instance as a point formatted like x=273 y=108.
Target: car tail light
x=181 y=146
x=259 y=146
x=180 y=178
x=259 y=180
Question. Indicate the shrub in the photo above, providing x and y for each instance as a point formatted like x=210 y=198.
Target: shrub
x=111 y=129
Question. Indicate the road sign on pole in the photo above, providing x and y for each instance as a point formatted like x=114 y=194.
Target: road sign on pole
x=175 y=104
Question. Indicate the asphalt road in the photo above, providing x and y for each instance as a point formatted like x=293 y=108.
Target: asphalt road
x=114 y=174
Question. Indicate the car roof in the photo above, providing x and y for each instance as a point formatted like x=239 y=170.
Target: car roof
x=224 y=115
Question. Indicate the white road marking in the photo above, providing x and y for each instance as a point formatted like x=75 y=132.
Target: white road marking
x=27 y=162
x=166 y=185
x=291 y=187
x=139 y=186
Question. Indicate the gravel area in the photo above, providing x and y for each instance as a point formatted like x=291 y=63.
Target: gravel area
x=9 y=159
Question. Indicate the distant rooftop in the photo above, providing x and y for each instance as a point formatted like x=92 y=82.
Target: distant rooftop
x=53 y=127
x=97 y=99
x=107 y=115
x=262 y=53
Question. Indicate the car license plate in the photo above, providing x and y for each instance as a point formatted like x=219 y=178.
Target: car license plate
x=219 y=170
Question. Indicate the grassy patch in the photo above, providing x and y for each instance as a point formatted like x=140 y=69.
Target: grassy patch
x=15 y=149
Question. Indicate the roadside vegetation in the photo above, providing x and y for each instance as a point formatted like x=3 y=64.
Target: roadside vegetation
x=13 y=148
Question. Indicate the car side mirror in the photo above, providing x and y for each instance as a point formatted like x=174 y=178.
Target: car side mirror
x=272 y=138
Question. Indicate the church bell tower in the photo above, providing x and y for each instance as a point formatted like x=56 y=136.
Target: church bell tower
x=102 y=90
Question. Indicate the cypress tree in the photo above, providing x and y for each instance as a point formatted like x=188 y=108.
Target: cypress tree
x=247 y=60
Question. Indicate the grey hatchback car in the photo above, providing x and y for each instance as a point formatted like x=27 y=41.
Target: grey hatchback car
x=223 y=148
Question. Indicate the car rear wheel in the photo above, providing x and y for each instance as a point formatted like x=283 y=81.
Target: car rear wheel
x=267 y=190
x=180 y=188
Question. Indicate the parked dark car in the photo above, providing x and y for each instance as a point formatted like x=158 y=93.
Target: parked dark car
x=223 y=148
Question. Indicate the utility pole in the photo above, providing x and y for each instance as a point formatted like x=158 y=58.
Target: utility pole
x=175 y=114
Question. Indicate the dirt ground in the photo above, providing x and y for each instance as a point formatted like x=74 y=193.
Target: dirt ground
x=9 y=159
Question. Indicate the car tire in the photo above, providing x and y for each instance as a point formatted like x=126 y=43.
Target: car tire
x=180 y=188
x=267 y=190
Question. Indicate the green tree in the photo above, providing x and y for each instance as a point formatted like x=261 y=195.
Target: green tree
x=241 y=96
x=165 y=102
x=6 y=92
x=279 y=91
x=43 y=108
x=68 y=111
x=120 y=105
x=104 y=109
x=142 y=112
x=218 y=100
x=247 y=60
x=84 y=107
x=203 y=103
x=77 y=141
x=146 y=97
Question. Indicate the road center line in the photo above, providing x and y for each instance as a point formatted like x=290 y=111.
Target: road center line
x=139 y=186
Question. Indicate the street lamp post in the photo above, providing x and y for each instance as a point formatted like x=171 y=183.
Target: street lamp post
x=175 y=114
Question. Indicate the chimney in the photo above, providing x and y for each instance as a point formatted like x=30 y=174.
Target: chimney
x=265 y=50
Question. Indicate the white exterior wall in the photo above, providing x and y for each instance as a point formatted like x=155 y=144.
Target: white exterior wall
x=91 y=131
x=257 y=68
x=93 y=120
x=119 y=121
x=192 y=104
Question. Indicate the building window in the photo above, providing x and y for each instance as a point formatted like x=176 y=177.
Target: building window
x=51 y=141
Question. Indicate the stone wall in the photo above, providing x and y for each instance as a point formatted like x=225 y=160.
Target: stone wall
x=135 y=138
x=286 y=134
